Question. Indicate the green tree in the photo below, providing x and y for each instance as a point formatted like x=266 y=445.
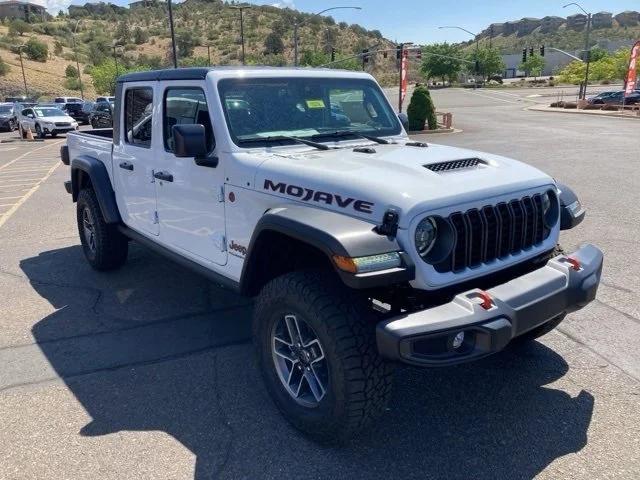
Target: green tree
x=421 y=110
x=104 y=75
x=441 y=60
x=534 y=65
x=36 y=50
x=273 y=44
x=57 y=48
x=123 y=33
x=19 y=27
x=489 y=61
x=314 y=58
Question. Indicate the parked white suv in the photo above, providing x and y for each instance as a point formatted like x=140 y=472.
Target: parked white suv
x=45 y=120
x=363 y=248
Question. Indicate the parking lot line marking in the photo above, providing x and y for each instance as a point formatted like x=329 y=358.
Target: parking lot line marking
x=28 y=153
x=492 y=97
x=15 y=185
x=7 y=198
x=8 y=214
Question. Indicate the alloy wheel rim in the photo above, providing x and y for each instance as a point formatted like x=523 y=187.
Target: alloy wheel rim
x=299 y=360
x=89 y=229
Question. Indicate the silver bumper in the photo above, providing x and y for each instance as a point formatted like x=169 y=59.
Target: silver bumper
x=427 y=337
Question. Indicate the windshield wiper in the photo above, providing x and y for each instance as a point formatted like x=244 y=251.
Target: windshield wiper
x=279 y=138
x=346 y=133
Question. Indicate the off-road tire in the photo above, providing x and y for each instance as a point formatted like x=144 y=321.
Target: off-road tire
x=359 y=382
x=111 y=246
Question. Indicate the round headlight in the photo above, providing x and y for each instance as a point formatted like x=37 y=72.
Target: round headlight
x=425 y=236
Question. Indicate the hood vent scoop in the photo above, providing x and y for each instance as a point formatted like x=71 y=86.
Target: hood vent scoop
x=455 y=165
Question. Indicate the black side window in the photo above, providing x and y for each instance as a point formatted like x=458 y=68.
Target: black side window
x=138 y=108
x=185 y=106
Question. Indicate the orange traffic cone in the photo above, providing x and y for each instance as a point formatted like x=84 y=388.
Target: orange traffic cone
x=30 y=135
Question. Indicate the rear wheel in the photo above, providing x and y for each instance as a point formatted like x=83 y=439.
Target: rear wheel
x=104 y=246
x=317 y=352
x=54 y=135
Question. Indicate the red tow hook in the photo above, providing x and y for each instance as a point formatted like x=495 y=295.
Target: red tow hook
x=575 y=263
x=487 y=301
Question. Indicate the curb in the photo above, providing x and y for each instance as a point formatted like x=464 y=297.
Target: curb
x=576 y=111
x=432 y=132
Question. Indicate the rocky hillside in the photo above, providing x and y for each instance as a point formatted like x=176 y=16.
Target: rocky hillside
x=205 y=29
x=565 y=33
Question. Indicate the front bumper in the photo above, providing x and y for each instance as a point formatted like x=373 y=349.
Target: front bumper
x=426 y=338
x=57 y=129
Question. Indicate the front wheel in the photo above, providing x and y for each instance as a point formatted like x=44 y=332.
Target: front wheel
x=105 y=248
x=317 y=352
x=39 y=132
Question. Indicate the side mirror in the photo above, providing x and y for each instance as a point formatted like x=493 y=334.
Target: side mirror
x=189 y=141
x=404 y=120
x=30 y=115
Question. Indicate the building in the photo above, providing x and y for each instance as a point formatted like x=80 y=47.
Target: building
x=27 y=11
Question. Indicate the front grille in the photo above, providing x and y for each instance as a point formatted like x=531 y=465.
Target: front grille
x=494 y=231
x=454 y=165
x=63 y=124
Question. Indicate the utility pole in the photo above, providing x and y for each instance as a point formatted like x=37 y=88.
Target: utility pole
x=115 y=59
x=75 y=51
x=297 y=24
x=24 y=78
x=173 y=36
x=209 y=54
x=241 y=8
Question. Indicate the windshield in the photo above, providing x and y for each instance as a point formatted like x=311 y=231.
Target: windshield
x=258 y=108
x=4 y=109
x=49 y=112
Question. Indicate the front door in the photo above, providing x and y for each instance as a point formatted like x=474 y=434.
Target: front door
x=190 y=201
x=134 y=161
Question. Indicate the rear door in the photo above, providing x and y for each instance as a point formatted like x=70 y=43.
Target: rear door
x=190 y=205
x=134 y=159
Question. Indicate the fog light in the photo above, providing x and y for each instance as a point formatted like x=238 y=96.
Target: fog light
x=458 y=340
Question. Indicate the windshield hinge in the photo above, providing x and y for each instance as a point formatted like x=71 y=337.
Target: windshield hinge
x=156 y=218
x=221 y=194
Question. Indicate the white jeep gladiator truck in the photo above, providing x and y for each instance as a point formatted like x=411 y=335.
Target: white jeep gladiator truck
x=364 y=249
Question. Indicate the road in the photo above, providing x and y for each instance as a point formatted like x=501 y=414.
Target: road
x=148 y=373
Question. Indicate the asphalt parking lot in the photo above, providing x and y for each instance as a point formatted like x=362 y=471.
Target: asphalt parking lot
x=148 y=372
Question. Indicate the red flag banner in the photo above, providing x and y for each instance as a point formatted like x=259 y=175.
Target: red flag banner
x=632 y=74
x=405 y=68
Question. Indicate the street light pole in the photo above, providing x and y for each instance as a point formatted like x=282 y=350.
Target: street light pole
x=477 y=38
x=297 y=24
x=115 y=59
x=24 y=78
x=173 y=36
x=75 y=51
x=209 y=54
x=241 y=8
x=587 y=49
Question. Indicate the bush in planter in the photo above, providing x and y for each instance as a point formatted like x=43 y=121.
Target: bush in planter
x=570 y=105
x=421 y=110
x=592 y=106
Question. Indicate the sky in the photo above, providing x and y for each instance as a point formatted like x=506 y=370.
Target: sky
x=418 y=20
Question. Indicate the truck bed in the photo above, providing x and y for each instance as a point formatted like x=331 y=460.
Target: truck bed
x=97 y=143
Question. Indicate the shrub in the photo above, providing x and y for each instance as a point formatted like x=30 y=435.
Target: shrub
x=421 y=110
x=140 y=36
x=4 y=68
x=71 y=72
x=273 y=44
x=19 y=27
x=72 y=83
x=36 y=50
x=570 y=105
x=57 y=48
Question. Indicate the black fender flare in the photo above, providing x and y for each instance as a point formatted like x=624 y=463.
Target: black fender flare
x=571 y=211
x=100 y=182
x=333 y=234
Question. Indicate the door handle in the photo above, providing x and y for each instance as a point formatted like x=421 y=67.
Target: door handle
x=126 y=165
x=166 y=176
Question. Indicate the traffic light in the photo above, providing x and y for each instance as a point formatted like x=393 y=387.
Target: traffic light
x=399 y=49
x=419 y=54
x=524 y=55
x=365 y=56
x=333 y=54
x=531 y=51
x=542 y=50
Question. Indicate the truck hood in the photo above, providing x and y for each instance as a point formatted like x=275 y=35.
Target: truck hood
x=393 y=176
